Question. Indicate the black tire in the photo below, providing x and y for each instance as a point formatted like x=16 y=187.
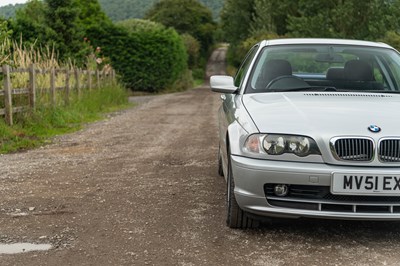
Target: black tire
x=220 y=168
x=236 y=217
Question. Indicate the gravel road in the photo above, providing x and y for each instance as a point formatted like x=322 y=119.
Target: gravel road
x=141 y=188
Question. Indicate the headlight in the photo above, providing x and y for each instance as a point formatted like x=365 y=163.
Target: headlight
x=277 y=144
x=274 y=144
x=253 y=144
x=301 y=146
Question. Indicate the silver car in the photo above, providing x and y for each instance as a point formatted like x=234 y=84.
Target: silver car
x=311 y=128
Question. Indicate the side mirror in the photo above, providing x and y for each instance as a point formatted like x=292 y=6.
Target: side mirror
x=223 y=84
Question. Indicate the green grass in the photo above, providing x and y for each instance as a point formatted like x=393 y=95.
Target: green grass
x=198 y=82
x=31 y=130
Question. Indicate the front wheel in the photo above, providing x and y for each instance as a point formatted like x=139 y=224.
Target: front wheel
x=220 y=167
x=236 y=217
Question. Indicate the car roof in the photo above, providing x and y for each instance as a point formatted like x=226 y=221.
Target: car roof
x=323 y=41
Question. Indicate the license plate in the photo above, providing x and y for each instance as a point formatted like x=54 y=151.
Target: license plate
x=366 y=184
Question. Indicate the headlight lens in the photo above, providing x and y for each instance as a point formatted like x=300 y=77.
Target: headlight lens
x=300 y=146
x=253 y=144
x=278 y=144
x=274 y=144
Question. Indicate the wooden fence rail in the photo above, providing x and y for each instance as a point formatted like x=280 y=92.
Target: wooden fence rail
x=101 y=78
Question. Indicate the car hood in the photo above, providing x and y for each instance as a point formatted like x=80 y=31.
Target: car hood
x=324 y=113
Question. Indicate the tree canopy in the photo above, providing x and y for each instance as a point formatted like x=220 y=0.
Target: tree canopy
x=374 y=20
x=122 y=9
x=185 y=16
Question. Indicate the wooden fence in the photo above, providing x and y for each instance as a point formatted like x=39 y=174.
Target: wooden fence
x=77 y=75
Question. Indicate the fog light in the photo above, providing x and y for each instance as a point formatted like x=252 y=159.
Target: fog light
x=281 y=190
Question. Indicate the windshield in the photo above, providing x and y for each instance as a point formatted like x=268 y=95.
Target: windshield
x=325 y=67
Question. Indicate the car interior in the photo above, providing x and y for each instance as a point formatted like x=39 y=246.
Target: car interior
x=348 y=72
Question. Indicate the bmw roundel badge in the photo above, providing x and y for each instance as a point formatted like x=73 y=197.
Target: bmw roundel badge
x=374 y=129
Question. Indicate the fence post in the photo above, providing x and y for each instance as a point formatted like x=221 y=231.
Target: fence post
x=113 y=76
x=53 y=86
x=32 y=86
x=89 y=75
x=98 y=78
x=7 y=95
x=67 y=87
x=77 y=82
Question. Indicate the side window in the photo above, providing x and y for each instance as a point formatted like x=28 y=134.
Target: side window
x=245 y=66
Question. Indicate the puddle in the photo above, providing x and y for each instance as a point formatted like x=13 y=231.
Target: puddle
x=22 y=248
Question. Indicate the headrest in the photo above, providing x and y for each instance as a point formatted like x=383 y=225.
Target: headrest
x=358 y=70
x=275 y=68
x=335 y=73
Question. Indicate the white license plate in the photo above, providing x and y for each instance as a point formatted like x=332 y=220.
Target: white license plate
x=366 y=184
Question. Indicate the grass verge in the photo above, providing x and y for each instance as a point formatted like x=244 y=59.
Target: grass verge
x=33 y=129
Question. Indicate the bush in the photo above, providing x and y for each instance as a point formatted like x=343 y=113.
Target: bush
x=148 y=56
x=193 y=50
x=236 y=53
x=186 y=16
x=392 y=38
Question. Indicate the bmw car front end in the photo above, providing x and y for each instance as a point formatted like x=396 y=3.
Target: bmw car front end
x=310 y=128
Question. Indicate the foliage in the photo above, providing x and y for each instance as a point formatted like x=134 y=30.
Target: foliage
x=343 y=19
x=351 y=19
x=91 y=13
x=126 y=9
x=9 y=11
x=32 y=130
x=239 y=52
x=123 y=9
x=192 y=49
x=149 y=56
x=236 y=16
x=5 y=43
x=215 y=6
x=185 y=16
x=30 y=22
x=62 y=17
x=272 y=16
x=392 y=38
x=63 y=31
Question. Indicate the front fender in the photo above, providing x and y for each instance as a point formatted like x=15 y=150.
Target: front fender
x=235 y=126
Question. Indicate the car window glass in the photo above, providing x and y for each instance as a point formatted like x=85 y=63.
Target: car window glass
x=245 y=66
x=339 y=67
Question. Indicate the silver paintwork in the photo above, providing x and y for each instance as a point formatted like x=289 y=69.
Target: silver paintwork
x=223 y=84
x=323 y=116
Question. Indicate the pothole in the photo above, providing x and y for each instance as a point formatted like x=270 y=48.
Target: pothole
x=22 y=248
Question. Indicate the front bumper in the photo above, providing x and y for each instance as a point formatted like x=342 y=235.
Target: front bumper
x=252 y=175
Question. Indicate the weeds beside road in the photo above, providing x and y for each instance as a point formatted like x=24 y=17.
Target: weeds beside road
x=34 y=128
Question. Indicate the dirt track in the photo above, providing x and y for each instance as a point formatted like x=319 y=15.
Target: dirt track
x=142 y=188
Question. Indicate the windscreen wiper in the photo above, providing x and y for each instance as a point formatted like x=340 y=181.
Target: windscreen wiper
x=313 y=88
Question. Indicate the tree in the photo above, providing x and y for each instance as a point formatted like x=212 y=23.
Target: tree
x=9 y=11
x=62 y=16
x=271 y=16
x=185 y=16
x=91 y=13
x=236 y=17
x=368 y=19
x=31 y=24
